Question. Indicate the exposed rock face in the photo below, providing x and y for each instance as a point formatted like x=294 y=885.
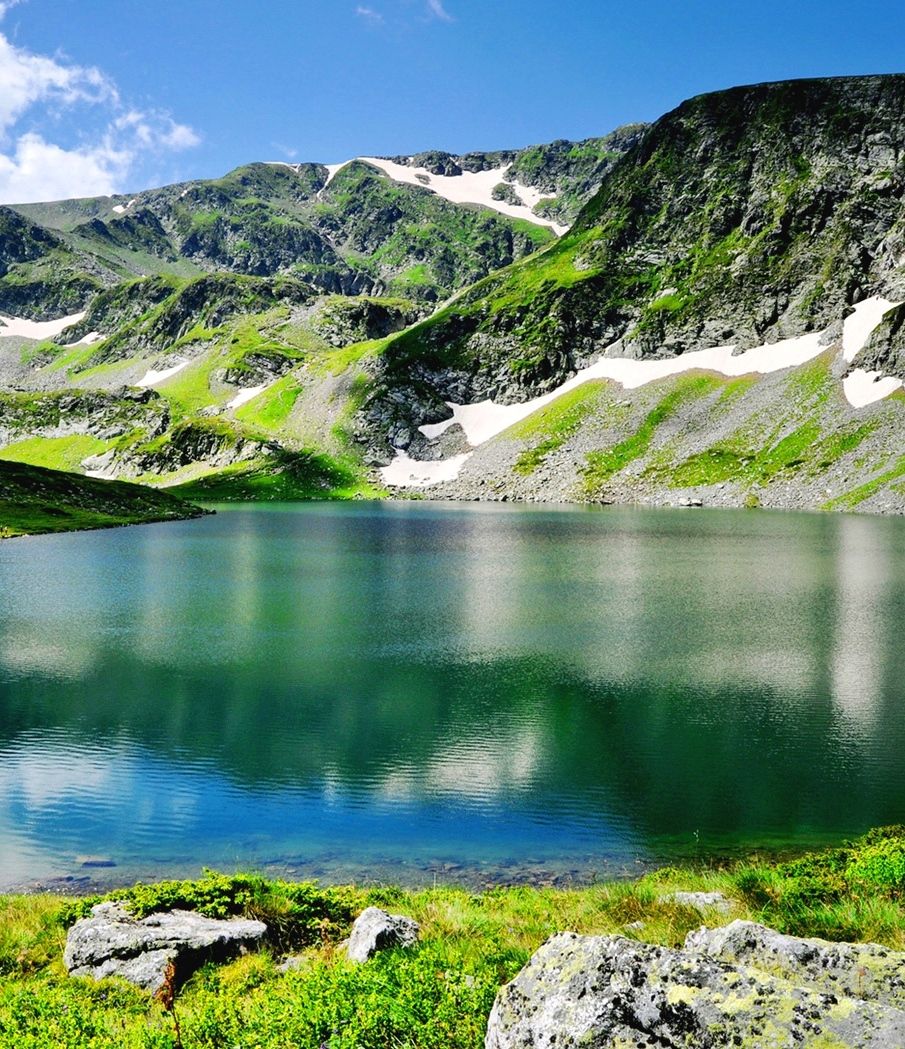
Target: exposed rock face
x=885 y=350
x=113 y=943
x=566 y=173
x=342 y=321
x=375 y=930
x=741 y=218
x=855 y=970
x=606 y=991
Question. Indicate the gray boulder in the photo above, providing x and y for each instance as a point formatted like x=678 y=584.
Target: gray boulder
x=856 y=970
x=603 y=992
x=701 y=901
x=113 y=943
x=375 y=930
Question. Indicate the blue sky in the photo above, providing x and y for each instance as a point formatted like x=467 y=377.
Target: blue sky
x=104 y=95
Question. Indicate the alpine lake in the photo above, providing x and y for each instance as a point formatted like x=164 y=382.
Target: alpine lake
x=414 y=691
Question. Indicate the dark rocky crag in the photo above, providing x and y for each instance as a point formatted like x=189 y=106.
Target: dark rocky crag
x=741 y=217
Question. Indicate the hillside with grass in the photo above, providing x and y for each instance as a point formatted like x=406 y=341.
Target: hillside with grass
x=351 y=231
x=34 y=500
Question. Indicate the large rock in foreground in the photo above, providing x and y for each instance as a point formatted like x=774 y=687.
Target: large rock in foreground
x=854 y=970
x=375 y=930
x=113 y=943
x=604 y=992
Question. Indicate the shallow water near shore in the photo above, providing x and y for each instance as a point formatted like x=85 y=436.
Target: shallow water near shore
x=421 y=691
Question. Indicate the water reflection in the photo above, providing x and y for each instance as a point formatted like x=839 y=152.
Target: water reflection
x=482 y=685
x=865 y=572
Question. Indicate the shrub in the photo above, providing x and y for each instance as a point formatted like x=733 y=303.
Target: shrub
x=879 y=866
x=296 y=914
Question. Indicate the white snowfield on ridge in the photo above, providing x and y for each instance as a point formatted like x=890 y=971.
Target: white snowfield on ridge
x=486 y=419
x=471 y=187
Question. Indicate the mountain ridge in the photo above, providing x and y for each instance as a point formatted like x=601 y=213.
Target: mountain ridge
x=762 y=223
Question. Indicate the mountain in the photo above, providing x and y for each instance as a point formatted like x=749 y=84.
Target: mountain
x=721 y=322
x=742 y=218
x=346 y=229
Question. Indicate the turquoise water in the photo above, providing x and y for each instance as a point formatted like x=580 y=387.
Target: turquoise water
x=421 y=690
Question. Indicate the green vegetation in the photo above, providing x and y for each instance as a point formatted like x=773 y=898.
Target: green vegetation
x=603 y=465
x=35 y=500
x=852 y=499
x=554 y=424
x=55 y=453
x=273 y=406
x=283 y=477
x=434 y=996
x=735 y=459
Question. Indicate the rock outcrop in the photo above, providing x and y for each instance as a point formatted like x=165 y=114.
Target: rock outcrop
x=113 y=943
x=375 y=930
x=700 y=901
x=743 y=985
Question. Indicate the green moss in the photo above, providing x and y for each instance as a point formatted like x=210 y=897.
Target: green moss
x=735 y=388
x=734 y=459
x=718 y=463
x=419 y=275
x=843 y=442
x=335 y=362
x=271 y=408
x=851 y=499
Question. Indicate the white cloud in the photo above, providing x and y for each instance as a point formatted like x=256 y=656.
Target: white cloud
x=39 y=89
x=288 y=151
x=437 y=9
x=369 y=14
x=39 y=170
x=155 y=131
x=27 y=79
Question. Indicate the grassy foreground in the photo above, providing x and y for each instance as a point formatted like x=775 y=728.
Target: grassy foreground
x=35 y=500
x=437 y=995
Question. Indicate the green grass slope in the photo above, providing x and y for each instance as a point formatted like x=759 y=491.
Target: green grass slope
x=35 y=500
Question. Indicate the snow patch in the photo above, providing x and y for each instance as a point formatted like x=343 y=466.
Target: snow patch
x=244 y=396
x=333 y=170
x=152 y=377
x=405 y=472
x=486 y=419
x=89 y=340
x=862 y=387
x=37 y=330
x=471 y=187
x=859 y=327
